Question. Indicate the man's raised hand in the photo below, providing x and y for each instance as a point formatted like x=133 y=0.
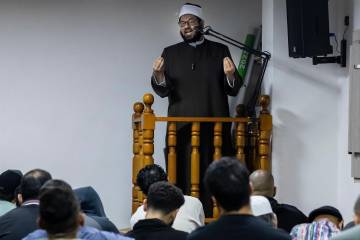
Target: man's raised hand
x=158 y=69
x=229 y=68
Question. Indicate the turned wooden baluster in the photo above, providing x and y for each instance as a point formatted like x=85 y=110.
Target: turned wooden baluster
x=136 y=126
x=172 y=152
x=195 y=159
x=265 y=133
x=140 y=194
x=217 y=140
x=240 y=134
x=148 y=127
x=217 y=156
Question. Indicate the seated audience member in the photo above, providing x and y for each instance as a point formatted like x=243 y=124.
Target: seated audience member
x=261 y=208
x=60 y=217
x=287 y=215
x=228 y=182
x=354 y=232
x=20 y=221
x=325 y=222
x=91 y=205
x=9 y=181
x=190 y=215
x=161 y=205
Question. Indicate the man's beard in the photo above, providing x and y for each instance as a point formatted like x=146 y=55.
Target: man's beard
x=197 y=37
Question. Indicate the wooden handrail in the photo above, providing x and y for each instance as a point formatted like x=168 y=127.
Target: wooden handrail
x=252 y=141
x=202 y=119
x=197 y=119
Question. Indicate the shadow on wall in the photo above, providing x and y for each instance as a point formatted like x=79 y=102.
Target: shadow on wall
x=286 y=142
x=323 y=76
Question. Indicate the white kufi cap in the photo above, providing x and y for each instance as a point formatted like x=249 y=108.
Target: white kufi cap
x=260 y=205
x=193 y=9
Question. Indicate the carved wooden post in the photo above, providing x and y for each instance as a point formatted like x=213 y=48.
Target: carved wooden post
x=195 y=159
x=148 y=126
x=172 y=152
x=141 y=160
x=217 y=140
x=217 y=156
x=265 y=133
x=138 y=109
x=240 y=134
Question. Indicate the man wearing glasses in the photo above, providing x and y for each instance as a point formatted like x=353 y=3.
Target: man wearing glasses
x=196 y=75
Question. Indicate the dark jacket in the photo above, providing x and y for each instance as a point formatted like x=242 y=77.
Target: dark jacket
x=91 y=205
x=288 y=216
x=238 y=227
x=195 y=81
x=19 y=222
x=155 y=229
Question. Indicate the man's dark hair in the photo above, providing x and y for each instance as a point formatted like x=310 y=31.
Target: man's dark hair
x=357 y=206
x=148 y=175
x=32 y=182
x=59 y=208
x=9 y=181
x=164 y=197
x=228 y=181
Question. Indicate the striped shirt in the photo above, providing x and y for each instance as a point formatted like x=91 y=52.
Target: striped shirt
x=317 y=230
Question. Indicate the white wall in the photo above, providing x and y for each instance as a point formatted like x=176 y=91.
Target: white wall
x=356 y=14
x=310 y=108
x=70 y=72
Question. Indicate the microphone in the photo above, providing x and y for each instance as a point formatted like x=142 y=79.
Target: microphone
x=205 y=30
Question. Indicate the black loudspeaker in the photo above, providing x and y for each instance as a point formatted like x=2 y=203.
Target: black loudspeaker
x=308 y=28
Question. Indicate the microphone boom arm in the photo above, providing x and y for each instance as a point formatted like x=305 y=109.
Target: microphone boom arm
x=265 y=56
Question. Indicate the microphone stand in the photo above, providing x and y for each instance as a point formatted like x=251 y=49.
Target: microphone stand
x=265 y=56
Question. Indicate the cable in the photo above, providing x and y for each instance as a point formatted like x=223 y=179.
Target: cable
x=336 y=41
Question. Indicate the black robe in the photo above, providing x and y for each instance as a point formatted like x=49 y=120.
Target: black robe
x=196 y=86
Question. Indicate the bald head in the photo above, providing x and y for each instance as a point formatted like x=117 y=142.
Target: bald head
x=263 y=183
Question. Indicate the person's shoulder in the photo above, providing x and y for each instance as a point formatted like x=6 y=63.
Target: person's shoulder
x=349 y=234
x=199 y=233
x=180 y=234
x=267 y=231
x=93 y=233
x=299 y=229
x=192 y=200
x=22 y=211
x=278 y=234
x=209 y=231
x=12 y=213
x=175 y=46
x=139 y=214
x=37 y=234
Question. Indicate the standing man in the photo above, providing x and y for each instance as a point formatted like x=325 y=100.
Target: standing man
x=196 y=75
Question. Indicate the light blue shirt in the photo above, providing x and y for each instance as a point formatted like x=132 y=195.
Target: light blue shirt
x=83 y=233
x=5 y=207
